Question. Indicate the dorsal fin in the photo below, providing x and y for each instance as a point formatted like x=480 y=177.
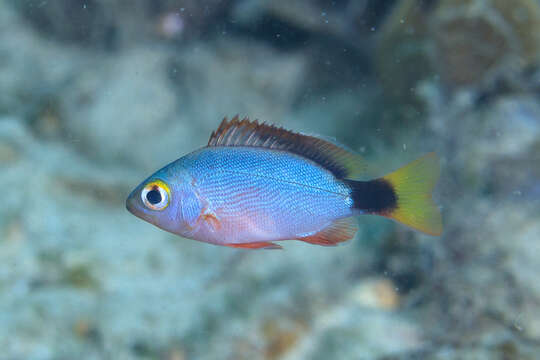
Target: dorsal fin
x=336 y=159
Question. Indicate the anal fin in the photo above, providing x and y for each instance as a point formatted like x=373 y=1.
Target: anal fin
x=338 y=231
x=256 y=245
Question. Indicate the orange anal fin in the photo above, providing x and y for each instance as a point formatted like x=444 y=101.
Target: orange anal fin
x=338 y=231
x=256 y=245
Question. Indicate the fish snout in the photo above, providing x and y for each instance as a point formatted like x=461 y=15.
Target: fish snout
x=131 y=203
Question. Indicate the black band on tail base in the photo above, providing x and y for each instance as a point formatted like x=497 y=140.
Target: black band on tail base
x=375 y=196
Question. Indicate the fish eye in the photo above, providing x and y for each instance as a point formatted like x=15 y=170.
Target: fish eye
x=155 y=195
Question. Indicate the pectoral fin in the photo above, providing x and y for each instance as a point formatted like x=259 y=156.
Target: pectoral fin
x=196 y=211
x=211 y=219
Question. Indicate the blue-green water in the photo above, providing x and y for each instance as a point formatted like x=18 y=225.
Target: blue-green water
x=96 y=95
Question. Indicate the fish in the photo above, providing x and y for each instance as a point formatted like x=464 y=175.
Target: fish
x=255 y=183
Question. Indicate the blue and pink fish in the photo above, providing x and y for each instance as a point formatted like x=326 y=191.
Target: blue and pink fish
x=255 y=183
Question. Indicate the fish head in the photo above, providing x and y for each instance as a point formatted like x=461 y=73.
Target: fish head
x=158 y=199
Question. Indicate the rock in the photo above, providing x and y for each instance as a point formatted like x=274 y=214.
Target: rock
x=344 y=330
x=336 y=37
x=500 y=139
x=8 y=153
x=519 y=265
x=483 y=263
x=376 y=293
x=439 y=41
x=148 y=107
x=112 y=120
x=403 y=50
x=509 y=34
x=305 y=15
x=102 y=24
x=236 y=77
x=281 y=337
x=349 y=22
x=29 y=84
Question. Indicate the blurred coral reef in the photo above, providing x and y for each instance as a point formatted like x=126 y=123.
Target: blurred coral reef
x=94 y=95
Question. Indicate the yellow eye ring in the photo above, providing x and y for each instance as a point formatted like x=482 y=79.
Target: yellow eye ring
x=156 y=195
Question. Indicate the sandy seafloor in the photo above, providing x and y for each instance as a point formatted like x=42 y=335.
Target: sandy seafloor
x=96 y=95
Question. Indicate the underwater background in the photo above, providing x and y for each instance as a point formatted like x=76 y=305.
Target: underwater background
x=95 y=95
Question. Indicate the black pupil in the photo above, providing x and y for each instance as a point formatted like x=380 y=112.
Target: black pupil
x=153 y=197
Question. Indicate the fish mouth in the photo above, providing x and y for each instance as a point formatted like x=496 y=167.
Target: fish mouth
x=131 y=204
x=135 y=207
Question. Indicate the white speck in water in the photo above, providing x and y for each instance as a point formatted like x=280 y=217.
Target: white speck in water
x=516 y=192
x=516 y=322
x=404 y=147
x=84 y=6
x=171 y=25
x=372 y=29
x=402 y=21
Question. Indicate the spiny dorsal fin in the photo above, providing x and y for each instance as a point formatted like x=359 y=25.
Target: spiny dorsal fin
x=339 y=161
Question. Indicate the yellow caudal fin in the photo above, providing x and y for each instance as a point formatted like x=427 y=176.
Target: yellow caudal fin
x=413 y=185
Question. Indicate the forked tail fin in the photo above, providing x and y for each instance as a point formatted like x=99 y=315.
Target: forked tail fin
x=413 y=184
x=403 y=195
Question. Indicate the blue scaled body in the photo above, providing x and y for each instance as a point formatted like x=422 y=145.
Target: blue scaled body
x=261 y=194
